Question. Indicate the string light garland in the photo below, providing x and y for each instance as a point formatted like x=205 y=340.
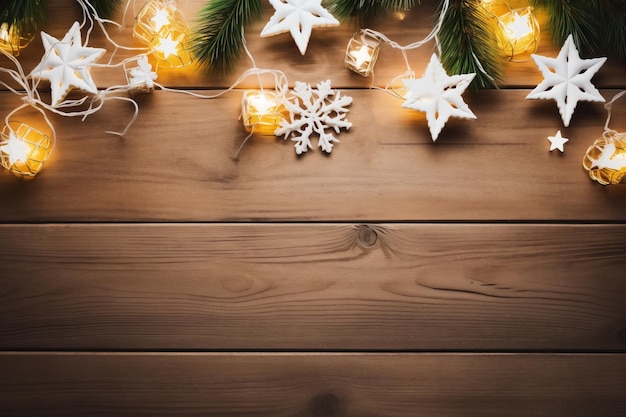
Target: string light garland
x=605 y=160
x=517 y=33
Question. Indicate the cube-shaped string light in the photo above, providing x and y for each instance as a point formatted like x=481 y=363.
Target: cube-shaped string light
x=362 y=53
x=262 y=111
x=605 y=160
x=517 y=33
x=171 y=46
x=154 y=17
x=11 y=40
x=23 y=149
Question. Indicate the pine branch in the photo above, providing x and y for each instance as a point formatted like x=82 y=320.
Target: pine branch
x=105 y=8
x=217 y=42
x=25 y=15
x=343 y=9
x=465 y=37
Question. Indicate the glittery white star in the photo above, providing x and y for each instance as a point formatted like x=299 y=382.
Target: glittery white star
x=557 y=141
x=438 y=95
x=66 y=63
x=298 y=17
x=567 y=79
x=16 y=149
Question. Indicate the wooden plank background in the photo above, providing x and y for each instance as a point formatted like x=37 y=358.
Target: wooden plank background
x=155 y=275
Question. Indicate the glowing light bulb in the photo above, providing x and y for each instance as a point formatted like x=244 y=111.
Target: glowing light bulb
x=606 y=159
x=16 y=149
x=362 y=52
x=160 y=19
x=519 y=27
x=262 y=112
x=167 y=46
x=517 y=32
x=4 y=32
x=361 y=56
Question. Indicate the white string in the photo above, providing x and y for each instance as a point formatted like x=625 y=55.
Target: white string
x=608 y=106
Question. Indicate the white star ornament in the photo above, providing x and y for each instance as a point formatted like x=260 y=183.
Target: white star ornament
x=567 y=79
x=298 y=17
x=438 y=95
x=66 y=63
x=557 y=141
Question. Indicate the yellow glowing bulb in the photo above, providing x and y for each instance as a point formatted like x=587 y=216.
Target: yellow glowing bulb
x=362 y=56
x=17 y=150
x=519 y=27
x=261 y=104
x=167 y=46
x=4 y=32
x=160 y=19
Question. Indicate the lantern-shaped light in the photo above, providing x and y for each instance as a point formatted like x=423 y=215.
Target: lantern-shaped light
x=171 y=46
x=154 y=17
x=11 y=40
x=262 y=112
x=23 y=149
x=517 y=32
x=605 y=160
x=362 y=53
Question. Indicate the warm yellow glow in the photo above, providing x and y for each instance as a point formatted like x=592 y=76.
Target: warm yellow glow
x=23 y=149
x=262 y=112
x=16 y=149
x=155 y=17
x=362 y=52
x=362 y=56
x=517 y=32
x=171 y=47
x=167 y=46
x=606 y=159
x=9 y=39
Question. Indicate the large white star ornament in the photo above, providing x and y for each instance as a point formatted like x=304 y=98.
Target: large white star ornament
x=66 y=63
x=298 y=17
x=438 y=95
x=557 y=141
x=567 y=79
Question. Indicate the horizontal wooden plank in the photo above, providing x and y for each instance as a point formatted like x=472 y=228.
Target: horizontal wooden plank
x=340 y=286
x=286 y=385
x=325 y=54
x=176 y=165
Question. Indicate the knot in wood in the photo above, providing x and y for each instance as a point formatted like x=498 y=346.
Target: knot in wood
x=324 y=405
x=367 y=236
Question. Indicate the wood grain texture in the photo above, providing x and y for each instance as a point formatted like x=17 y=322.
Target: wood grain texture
x=176 y=165
x=329 y=287
x=324 y=56
x=311 y=385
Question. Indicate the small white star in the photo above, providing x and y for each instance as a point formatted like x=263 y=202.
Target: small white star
x=520 y=26
x=167 y=46
x=16 y=149
x=567 y=79
x=161 y=18
x=557 y=141
x=362 y=55
x=298 y=17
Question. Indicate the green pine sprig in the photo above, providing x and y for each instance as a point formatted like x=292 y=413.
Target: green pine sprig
x=217 y=42
x=343 y=9
x=597 y=26
x=25 y=15
x=467 y=39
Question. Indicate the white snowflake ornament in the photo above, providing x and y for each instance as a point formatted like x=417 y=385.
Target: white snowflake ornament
x=438 y=95
x=567 y=79
x=298 y=17
x=314 y=111
x=66 y=63
x=141 y=78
